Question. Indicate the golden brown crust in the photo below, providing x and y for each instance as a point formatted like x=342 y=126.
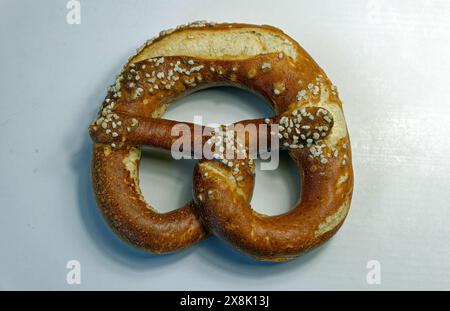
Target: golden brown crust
x=125 y=210
x=312 y=128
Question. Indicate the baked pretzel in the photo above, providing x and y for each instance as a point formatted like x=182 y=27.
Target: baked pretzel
x=311 y=126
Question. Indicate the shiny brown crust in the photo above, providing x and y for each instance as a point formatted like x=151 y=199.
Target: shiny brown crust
x=313 y=129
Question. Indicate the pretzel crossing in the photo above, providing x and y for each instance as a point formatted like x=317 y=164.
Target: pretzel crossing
x=309 y=123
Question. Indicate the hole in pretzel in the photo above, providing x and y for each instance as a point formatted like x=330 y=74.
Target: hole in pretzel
x=219 y=105
x=284 y=184
x=165 y=183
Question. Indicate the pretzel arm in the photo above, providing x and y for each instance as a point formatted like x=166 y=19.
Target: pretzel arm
x=293 y=129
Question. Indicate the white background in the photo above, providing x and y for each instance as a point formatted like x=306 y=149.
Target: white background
x=390 y=60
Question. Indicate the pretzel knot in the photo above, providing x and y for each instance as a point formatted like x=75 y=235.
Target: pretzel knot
x=309 y=124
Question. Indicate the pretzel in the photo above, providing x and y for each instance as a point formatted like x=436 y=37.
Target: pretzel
x=310 y=122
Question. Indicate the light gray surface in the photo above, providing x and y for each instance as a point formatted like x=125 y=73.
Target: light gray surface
x=390 y=62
